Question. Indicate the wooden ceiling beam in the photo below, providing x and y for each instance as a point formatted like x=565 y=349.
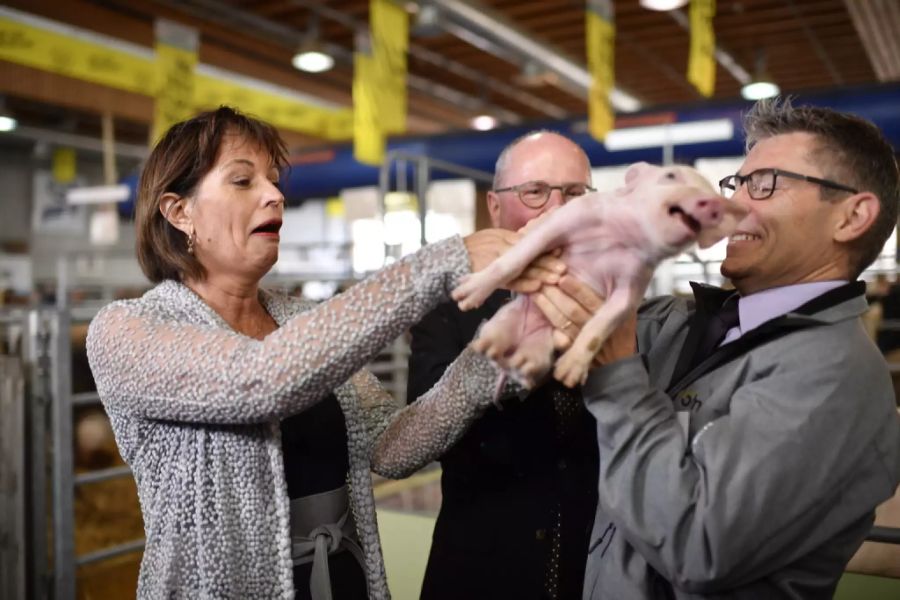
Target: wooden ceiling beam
x=245 y=55
x=59 y=90
x=276 y=9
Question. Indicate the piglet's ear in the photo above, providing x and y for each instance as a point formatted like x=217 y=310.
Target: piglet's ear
x=634 y=173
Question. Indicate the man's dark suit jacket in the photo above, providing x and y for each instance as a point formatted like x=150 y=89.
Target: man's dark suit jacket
x=502 y=481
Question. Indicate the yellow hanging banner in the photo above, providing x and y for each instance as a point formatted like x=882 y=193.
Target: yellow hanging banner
x=85 y=56
x=702 y=59
x=600 y=42
x=176 y=60
x=368 y=137
x=63 y=169
x=47 y=50
x=389 y=24
x=327 y=123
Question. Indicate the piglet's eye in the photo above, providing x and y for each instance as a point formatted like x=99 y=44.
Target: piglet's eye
x=670 y=175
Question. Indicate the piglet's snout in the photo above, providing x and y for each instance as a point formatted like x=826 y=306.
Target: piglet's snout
x=708 y=211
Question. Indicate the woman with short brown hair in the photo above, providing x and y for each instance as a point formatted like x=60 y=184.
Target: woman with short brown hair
x=177 y=165
x=244 y=414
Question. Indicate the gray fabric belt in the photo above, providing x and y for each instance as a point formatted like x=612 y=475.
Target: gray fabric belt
x=322 y=525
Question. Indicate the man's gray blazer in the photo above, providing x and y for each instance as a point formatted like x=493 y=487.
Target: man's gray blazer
x=757 y=480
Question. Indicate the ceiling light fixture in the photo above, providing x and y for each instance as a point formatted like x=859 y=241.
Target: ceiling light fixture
x=762 y=85
x=427 y=22
x=662 y=4
x=312 y=59
x=484 y=122
x=7 y=123
x=757 y=90
x=312 y=56
x=658 y=136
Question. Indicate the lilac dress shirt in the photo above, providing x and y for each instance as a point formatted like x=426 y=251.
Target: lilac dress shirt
x=758 y=308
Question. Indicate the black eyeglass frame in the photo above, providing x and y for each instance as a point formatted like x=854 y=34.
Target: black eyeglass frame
x=727 y=183
x=562 y=190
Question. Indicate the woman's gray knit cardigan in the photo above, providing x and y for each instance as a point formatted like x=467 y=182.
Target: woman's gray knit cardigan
x=196 y=407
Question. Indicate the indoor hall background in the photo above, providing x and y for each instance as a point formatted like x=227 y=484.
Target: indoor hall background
x=522 y=62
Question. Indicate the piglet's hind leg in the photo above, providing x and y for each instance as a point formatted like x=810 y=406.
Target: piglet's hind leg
x=502 y=332
x=533 y=358
x=572 y=367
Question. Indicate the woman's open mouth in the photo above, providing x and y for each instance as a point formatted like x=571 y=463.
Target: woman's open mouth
x=269 y=228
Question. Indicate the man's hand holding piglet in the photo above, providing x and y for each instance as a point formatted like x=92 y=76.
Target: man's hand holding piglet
x=569 y=305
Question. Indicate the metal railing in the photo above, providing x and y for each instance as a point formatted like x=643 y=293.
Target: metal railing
x=13 y=490
x=423 y=166
x=64 y=480
x=390 y=367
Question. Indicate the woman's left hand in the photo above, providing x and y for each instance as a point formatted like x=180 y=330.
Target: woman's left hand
x=486 y=245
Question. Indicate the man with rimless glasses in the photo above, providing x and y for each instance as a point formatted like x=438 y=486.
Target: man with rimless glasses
x=746 y=436
x=520 y=487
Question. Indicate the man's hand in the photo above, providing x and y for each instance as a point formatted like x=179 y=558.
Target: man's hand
x=569 y=305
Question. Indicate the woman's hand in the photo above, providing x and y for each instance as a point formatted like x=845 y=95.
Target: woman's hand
x=486 y=245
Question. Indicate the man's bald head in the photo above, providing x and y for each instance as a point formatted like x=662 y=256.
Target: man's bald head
x=537 y=140
x=536 y=156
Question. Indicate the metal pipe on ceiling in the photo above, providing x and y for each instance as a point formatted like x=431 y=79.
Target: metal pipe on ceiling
x=815 y=43
x=877 y=22
x=74 y=140
x=460 y=99
x=489 y=83
x=264 y=28
x=424 y=54
x=491 y=24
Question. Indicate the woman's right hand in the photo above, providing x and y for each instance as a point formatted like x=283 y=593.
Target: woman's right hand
x=486 y=245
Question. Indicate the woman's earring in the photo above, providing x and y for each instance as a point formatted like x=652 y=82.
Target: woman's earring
x=190 y=242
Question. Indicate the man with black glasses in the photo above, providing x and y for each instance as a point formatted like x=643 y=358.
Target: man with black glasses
x=746 y=437
x=519 y=488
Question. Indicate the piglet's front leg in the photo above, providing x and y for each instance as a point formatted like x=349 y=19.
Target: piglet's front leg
x=543 y=237
x=501 y=333
x=475 y=288
x=573 y=366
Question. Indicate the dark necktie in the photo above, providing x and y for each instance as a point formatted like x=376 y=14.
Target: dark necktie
x=719 y=324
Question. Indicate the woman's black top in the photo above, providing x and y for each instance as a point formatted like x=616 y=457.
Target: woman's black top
x=314 y=443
